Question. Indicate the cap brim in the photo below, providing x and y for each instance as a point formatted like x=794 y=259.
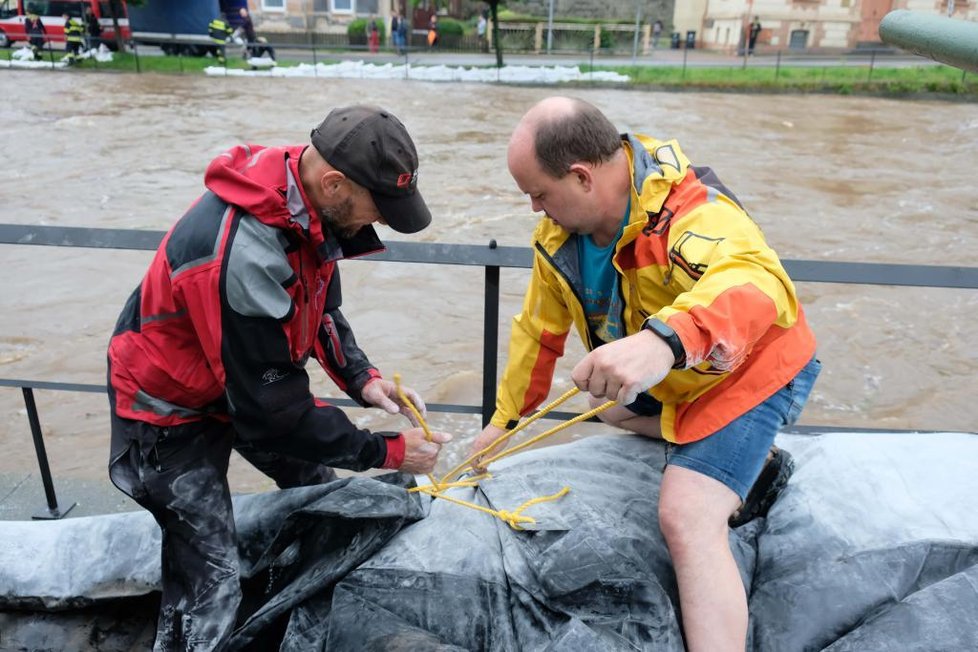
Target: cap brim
x=406 y=214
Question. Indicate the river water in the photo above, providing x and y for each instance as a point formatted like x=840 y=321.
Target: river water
x=826 y=177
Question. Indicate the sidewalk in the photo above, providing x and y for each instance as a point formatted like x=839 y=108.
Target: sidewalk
x=662 y=57
x=22 y=497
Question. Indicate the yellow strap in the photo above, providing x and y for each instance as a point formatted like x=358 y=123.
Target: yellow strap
x=417 y=415
x=550 y=406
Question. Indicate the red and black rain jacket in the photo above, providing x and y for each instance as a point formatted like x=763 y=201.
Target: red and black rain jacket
x=242 y=291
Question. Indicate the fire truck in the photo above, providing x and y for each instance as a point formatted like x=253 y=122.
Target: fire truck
x=13 y=14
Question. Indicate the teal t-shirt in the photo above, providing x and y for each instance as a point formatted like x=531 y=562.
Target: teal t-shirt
x=602 y=300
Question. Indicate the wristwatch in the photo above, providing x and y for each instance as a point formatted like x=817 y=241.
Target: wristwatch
x=670 y=337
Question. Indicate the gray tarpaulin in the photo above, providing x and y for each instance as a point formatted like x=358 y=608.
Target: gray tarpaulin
x=873 y=546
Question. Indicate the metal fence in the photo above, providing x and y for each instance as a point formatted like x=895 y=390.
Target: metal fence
x=490 y=257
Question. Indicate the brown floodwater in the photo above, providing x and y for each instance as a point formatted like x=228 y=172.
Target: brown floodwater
x=827 y=178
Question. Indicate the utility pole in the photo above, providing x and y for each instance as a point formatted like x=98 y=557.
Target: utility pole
x=550 y=27
x=638 y=23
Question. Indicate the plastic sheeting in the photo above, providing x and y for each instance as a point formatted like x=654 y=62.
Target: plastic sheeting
x=873 y=546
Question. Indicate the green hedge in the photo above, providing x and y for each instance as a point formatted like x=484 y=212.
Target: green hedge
x=450 y=27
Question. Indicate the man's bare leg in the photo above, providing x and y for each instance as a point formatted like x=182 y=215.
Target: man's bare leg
x=693 y=513
x=621 y=417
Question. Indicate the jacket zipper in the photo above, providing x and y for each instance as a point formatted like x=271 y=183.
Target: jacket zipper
x=563 y=275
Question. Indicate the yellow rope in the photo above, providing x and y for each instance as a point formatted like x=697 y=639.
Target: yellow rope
x=513 y=518
x=552 y=431
x=550 y=406
x=417 y=415
x=468 y=482
x=410 y=405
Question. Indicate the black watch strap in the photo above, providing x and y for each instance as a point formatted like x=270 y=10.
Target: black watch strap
x=670 y=337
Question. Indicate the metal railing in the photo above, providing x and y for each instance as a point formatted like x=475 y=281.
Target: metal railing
x=491 y=257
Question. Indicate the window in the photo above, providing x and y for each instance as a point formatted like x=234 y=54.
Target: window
x=343 y=6
x=55 y=9
x=273 y=5
x=798 y=39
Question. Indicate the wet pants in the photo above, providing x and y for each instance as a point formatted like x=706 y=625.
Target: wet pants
x=179 y=474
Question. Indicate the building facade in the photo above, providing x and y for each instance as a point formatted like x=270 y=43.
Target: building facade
x=801 y=24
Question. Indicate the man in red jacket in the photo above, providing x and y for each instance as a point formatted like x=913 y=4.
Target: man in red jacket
x=209 y=352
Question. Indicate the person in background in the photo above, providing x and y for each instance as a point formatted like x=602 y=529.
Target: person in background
x=691 y=324
x=74 y=38
x=373 y=36
x=93 y=29
x=220 y=31
x=256 y=46
x=480 y=30
x=397 y=36
x=755 y=30
x=36 y=34
x=209 y=353
x=656 y=33
x=433 y=31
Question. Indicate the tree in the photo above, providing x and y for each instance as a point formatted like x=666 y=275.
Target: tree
x=494 y=10
x=116 y=10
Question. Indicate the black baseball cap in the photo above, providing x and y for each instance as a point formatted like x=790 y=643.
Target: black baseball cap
x=372 y=147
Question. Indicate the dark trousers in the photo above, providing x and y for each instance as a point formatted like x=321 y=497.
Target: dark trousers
x=179 y=475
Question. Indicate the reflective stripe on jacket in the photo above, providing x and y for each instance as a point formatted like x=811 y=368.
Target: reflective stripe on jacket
x=73 y=31
x=691 y=256
x=219 y=31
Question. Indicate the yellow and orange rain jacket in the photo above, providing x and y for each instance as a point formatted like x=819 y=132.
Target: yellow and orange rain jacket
x=690 y=256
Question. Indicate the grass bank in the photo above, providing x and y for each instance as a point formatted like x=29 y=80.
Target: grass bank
x=844 y=80
x=935 y=80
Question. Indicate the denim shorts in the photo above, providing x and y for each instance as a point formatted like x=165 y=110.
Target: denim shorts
x=735 y=454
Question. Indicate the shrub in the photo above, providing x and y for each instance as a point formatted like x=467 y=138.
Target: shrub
x=450 y=27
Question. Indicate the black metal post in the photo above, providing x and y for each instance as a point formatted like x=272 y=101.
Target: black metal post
x=490 y=339
x=777 y=67
x=872 y=61
x=42 y=461
x=135 y=54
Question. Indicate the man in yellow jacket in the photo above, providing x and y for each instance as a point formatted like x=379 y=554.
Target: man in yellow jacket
x=692 y=325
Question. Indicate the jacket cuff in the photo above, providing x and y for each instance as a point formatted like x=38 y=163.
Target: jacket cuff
x=363 y=379
x=500 y=420
x=395 y=452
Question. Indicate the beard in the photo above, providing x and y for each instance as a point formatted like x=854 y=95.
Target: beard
x=338 y=219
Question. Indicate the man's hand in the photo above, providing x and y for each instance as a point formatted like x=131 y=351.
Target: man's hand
x=620 y=370
x=421 y=455
x=484 y=439
x=383 y=394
